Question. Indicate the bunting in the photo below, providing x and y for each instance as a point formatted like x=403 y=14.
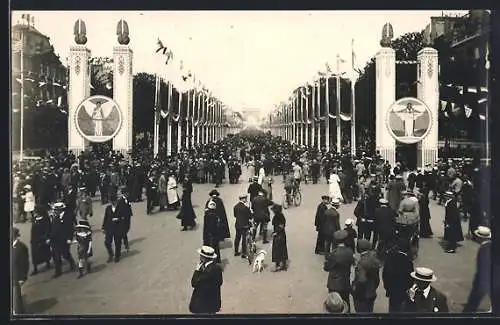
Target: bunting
x=468 y=111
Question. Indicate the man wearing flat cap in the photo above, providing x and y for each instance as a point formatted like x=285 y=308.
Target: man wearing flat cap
x=366 y=278
x=338 y=265
x=243 y=217
x=422 y=297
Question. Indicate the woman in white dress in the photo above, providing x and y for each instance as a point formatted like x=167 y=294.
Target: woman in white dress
x=262 y=174
x=251 y=169
x=29 y=202
x=173 y=202
x=334 y=187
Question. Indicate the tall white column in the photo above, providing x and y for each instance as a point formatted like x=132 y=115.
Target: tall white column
x=123 y=92
x=79 y=89
x=169 y=136
x=428 y=92
x=353 y=117
x=179 y=125
x=386 y=94
x=327 y=114
x=318 y=123
x=306 y=140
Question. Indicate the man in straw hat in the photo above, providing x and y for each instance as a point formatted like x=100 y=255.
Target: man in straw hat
x=206 y=283
x=481 y=285
x=334 y=304
x=422 y=297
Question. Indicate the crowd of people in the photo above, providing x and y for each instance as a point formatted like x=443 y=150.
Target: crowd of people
x=55 y=194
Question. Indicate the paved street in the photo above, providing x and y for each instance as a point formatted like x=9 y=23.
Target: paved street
x=154 y=277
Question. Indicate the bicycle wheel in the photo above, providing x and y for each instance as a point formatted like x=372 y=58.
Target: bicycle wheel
x=285 y=202
x=297 y=198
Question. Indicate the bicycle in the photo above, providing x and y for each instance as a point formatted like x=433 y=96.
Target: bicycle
x=293 y=198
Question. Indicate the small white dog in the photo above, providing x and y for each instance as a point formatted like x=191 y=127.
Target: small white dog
x=258 y=262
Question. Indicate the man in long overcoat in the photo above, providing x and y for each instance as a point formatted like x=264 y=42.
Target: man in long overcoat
x=452 y=223
x=61 y=235
x=20 y=269
x=385 y=220
x=318 y=223
x=162 y=190
x=206 y=283
x=40 y=239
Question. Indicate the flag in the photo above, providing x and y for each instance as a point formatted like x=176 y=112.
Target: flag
x=63 y=111
x=163 y=114
x=482 y=117
x=468 y=111
x=446 y=114
x=460 y=90
x=328 y=68
x=443 y=105
x=59 y=101
x=472 y=90
x=484 y=89
x=482 y=100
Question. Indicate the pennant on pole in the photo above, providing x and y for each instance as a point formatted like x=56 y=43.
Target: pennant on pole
x=443 y=105
x=472 y=90
x=482 y=100
x=163 y=114
x=482 y=117
x=468 y=111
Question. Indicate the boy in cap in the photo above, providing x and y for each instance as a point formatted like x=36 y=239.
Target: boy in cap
x=83 y=235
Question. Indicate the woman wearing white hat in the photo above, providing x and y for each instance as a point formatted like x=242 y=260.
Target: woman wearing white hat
x=206 y=282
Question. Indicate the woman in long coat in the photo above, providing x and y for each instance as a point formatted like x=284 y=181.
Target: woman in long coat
x=425 y=214
x=452 y=223
x=279 y=250
x=172 y=196
x=221 y=212
x=40 y=235
x=187 y=214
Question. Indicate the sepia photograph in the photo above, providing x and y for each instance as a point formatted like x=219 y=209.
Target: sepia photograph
x=250 y=163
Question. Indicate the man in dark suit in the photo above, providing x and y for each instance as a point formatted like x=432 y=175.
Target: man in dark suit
x=422 y=297
x=385 y=219
x=482 y=279
x=260 y=207
x=61 y=235
x=330 y=224
x=125 y=211
x=20 y=269
x=112 y=226
x=366 y=279
x=254 y=189
x=318 y=223
x=206 y=282
x=243 y=217
x=338 y=265
x=396 y=275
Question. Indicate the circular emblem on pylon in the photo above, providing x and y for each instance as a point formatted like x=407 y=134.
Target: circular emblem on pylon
x=409 y=120
x=98 y=118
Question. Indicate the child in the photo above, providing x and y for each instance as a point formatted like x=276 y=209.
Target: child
x=351 y=235
x=84 y=239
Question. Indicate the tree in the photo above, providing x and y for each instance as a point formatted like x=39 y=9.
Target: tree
x=144 y=102
x=408 y=45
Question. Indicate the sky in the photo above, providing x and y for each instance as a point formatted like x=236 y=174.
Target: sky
x=251 y=59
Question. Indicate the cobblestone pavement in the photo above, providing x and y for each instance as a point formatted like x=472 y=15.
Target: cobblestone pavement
x=154 y=277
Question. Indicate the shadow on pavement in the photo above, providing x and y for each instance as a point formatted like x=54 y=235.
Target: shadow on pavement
x=40 y=306
x=130 y=253
x=223 y=263
x=136 y=240
x=97 y=268
x=226 y=244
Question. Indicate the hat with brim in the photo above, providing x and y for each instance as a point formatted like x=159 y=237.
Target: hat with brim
x=82 y=226
x=59 y=206
x=207 y=251
x=349 y=222
x=423 y=274
x=399 y=176
x=408 y=193
x=483 y=232
x=335 y=202
x=335 y=304
x=214 y=192
x=383 y=201
x=449 y=194
x=325 y=197
x=242 y=196
x=28 y=187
